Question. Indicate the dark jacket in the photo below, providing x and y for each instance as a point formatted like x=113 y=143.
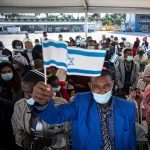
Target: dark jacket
x=8 y=93
x=7 y=141
x=37 y=52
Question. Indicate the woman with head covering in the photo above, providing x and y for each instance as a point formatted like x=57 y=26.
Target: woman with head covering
x=10 y=82
x=20 y=64
x=135 y=46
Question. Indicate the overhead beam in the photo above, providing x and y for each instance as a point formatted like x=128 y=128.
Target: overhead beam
x=108 y=9
x=98 y=9
x=67 y=9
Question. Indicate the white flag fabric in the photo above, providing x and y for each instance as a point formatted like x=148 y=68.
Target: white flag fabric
x=76 y=61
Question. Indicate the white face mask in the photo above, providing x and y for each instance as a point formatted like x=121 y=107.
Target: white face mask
x=90 y=47
x=7 y=76
x=30 y=101
x=102 y=99
x=129 y=58
x=107 y=49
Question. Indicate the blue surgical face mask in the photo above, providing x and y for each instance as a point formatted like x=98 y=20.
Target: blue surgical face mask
x=19 y=47
x=60 y=39
x=30 y=101
x=102 y=99
x=56 y=89
x=129 y=58
x=37 y=43
x=7 y=76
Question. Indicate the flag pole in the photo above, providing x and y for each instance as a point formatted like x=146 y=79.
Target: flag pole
x=45 y=77
x=45 y=73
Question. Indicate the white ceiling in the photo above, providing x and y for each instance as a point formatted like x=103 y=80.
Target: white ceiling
x=140 y=6
x=41 y=3
x=76 y=3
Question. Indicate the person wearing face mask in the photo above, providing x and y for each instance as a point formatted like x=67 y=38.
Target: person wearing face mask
x=28 y=51
x=100 y=121
x=37 y=50
x=115 y=44
x=2 y=50
x=141 y=59
x=44 y=37
x=90 y=44
x=59 y=87
x=21 y=64
x=10 y=83
x=17 y=46
x=110 y=50
x=26 y=37
x=30 y=131
x=6 y=52
x=126 y=73
x=60 y=37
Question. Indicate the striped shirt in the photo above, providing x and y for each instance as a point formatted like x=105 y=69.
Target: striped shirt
x=110 y=123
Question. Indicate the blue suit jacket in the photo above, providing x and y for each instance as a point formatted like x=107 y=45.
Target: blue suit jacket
x=86 y=123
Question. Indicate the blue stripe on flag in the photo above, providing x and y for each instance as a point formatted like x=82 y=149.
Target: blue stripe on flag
x=90 y=54
x=83 y=71
x=56 y=63
x=57 y=45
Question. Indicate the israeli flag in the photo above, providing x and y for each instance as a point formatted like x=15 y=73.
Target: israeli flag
x=76 y=61
x=55 y=54
x=114 y=58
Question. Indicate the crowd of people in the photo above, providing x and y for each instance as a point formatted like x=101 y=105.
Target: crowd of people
x=31 y=121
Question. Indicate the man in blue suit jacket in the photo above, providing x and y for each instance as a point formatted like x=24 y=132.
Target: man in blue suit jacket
x=87 y=115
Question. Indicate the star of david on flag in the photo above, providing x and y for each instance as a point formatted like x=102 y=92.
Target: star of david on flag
x=76 y=61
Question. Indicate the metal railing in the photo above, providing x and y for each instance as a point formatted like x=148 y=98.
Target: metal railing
x=41 y=20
